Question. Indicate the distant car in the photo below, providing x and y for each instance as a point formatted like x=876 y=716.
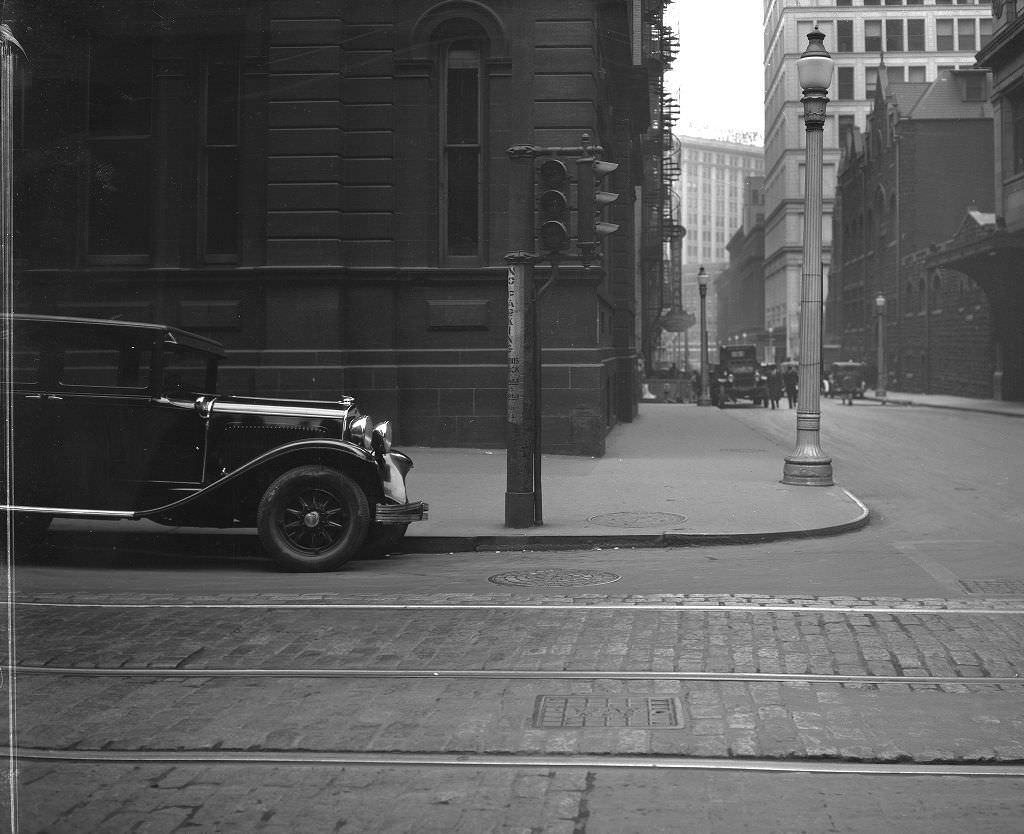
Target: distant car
x=849 y=380
x=122 y=420
x=739 y=376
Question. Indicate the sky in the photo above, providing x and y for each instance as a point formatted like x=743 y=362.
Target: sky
x=733 y=42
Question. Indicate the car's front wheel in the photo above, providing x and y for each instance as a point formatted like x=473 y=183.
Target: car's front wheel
x=313 y=519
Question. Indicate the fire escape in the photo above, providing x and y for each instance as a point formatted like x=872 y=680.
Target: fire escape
x=661 y=168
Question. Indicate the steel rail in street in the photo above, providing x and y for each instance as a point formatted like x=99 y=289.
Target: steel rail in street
x=335 y=606
x=506 y=674
x=349 y=759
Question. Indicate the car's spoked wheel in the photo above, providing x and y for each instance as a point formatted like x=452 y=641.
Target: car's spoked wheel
x=313 y=519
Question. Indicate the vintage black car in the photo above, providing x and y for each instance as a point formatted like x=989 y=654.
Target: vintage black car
x=739 y=376
x=122 y=420
x=849 y=380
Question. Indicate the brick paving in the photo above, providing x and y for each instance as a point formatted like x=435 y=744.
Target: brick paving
x=968 y=721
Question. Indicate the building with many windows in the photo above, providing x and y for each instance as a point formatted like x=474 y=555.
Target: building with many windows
x=326 y=188
x=891 y=210
x=910 y=40
x=714 y=176
x=989 y=248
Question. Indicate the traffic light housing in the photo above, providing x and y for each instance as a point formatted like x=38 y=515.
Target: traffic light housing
x=591 y=200
x=553 y=205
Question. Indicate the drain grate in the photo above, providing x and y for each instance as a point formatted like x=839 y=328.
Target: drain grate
x=638 y=519
x=994 y=587
x=558 y=712
x=554 y=577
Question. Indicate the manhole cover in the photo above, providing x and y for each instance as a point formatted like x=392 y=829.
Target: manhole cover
x=554 y=576
x=1009 y=587
x=558 y=712
x=638 y=519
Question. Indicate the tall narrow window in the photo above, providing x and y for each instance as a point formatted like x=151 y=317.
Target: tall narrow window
x=944 y=34
x=894 y=36
x=844 y=36
x=968 y=41
x=120 y=150
x=915 y=35
x=461 y=142
x=219 y=171
x=872 y=36
x=844 y=79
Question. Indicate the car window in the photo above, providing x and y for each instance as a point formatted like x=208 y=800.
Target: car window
x=123 y=365
x=185 y=371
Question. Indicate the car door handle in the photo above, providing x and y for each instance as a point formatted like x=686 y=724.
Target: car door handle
x=43 y=397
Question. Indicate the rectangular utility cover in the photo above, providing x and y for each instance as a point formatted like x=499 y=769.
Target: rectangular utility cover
x=553 y=712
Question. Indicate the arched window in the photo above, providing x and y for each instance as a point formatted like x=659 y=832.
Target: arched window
x=461 y=129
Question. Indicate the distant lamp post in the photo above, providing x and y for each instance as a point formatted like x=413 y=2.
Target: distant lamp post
x=880 y=310
x=808 y=465
x=702 y=284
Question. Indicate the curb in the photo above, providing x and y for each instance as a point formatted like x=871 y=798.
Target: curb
x=944 y=407
x=629 y=541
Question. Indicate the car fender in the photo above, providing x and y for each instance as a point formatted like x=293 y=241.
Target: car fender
x=239 y=489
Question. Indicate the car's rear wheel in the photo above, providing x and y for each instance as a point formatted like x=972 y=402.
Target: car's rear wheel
x=313 y=519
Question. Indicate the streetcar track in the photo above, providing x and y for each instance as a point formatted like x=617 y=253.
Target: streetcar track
x=332 y=606
x=350 y=759
x=509 y=674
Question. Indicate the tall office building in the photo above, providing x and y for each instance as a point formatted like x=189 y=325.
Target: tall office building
x=908 y=40
x=710 y=193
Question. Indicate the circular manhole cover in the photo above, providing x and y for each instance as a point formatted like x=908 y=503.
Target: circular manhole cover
x=638 y=519
x=554 y=577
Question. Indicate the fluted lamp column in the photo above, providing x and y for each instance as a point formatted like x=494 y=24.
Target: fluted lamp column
x=705 y=391
x=808 y=465
x=882 y=371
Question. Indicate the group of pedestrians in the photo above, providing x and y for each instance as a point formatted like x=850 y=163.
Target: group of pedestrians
x=779 y=382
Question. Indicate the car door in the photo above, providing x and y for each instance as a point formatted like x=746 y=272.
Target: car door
x=35 y=417
x=145 y=444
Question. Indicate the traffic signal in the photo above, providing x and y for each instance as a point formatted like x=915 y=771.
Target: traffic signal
x=553 y=205
x=590 y=202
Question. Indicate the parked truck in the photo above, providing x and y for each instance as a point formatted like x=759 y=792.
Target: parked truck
x=739 y=376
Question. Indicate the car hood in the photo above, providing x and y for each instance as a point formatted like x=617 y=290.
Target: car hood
x=271 y=406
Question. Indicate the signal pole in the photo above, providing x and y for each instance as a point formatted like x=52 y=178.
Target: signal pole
x=523 y=507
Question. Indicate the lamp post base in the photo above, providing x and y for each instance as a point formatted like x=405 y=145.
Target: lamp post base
x=800 y=471
x=704 y=401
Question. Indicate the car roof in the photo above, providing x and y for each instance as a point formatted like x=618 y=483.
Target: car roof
x=143 y=330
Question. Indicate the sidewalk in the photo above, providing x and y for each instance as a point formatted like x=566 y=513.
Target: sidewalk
x=678 y=475
x=1003 y=407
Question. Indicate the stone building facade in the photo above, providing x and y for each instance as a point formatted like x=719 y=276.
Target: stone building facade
x=325 y=188
x=892 y=207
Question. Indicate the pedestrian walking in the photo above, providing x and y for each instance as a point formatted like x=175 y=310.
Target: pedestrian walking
x=774 y=386
x=789 y=379
x=695 y=386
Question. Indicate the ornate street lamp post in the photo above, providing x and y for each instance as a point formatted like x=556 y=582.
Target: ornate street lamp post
x=880 y=309
x=808 y=465
x=705 y=392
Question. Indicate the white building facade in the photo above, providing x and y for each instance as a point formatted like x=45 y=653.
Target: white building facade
x=709 y=203
x=909 y=40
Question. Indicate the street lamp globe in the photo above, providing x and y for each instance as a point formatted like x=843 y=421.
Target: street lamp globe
x=814 y=67
x=880 y=303
x=702 y=278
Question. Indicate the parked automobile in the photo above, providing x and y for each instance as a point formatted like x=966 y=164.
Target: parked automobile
x=122 y=420
x=849 y=380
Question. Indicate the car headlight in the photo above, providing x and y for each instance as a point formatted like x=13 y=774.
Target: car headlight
x=730 y=378
x=380 y=439
x=359 y=431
